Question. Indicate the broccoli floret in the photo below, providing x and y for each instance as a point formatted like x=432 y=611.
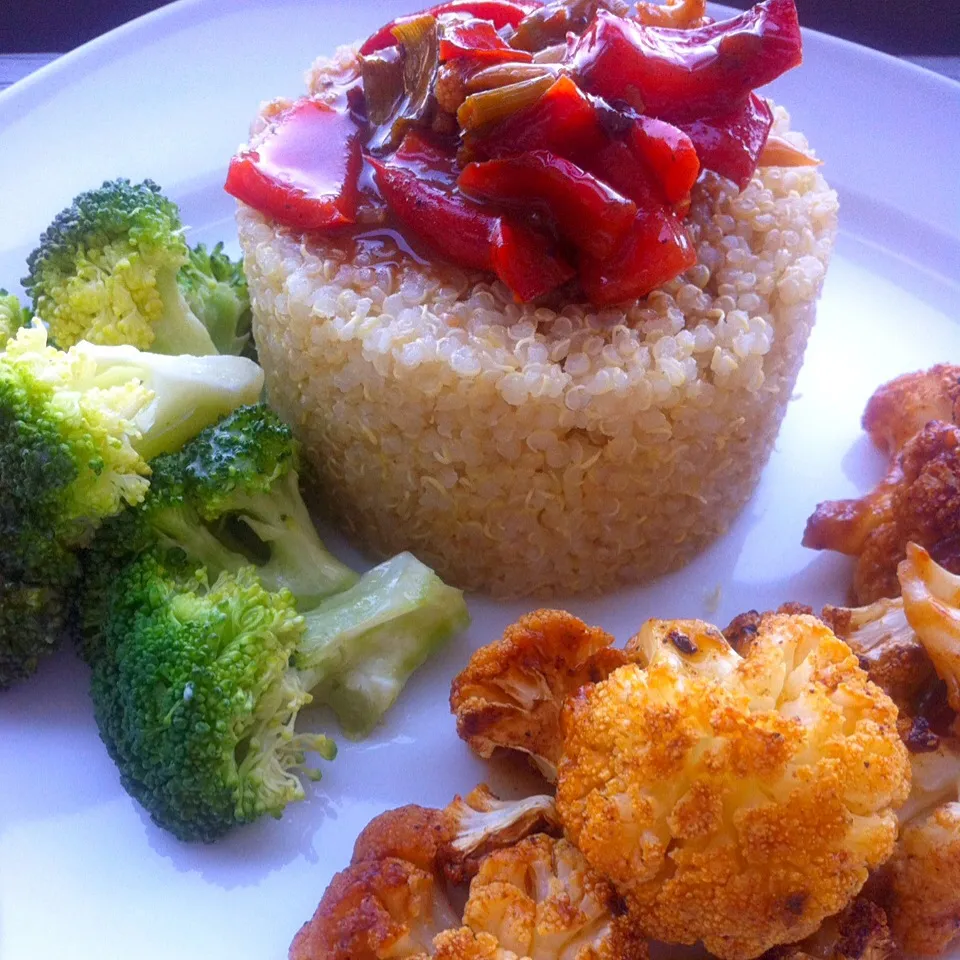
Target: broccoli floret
x=231 y=497
x=76 y=430
x=216 y=290
x=226 y=510
x=12 y=316
x=32 y=619
x=106 y=270
x=361 y=646
x=195 y=698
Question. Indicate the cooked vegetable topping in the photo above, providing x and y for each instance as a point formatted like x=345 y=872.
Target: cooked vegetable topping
x=566 y=137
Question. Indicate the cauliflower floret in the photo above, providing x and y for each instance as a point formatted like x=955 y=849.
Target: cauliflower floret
x=540 y=899
x=861 y=932
x=904 y=406
x=375 y=910
x=918 y=500
x=737 y=801
x=453 y=840
x=931 y=602
x=887 y=647
x=920 y=885
x=511 y=692
x=925 y=882
x=535 y=900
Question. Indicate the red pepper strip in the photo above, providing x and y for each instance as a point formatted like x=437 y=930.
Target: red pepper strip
x=686 y=74
x=587 y=212
x=501 y=13
x=524 y=262
x=305 y=173
x=563 y=121
x=429 y=153
x=656 y=250
x=419 y=185
x=478 y=40
x=670 y=155
x=618 y=165
x=731 y=145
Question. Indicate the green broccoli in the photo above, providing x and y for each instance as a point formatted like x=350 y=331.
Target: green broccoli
x=12 y=316
x=32 y=621
x=76 y=431
x=231 y=497
x=109 y=270
x=189 y=593
x=216 y=290
x=195 y=698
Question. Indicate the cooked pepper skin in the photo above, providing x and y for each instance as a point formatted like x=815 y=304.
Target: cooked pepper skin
x=305 y=173
x=684 y=74
x=587 y=211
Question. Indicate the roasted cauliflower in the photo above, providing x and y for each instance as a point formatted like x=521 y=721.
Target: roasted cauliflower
x=931 y=602
x=886 y=646
x=733 y=800
x=511 y=692
x=537 y=899
x=453 y=840
x=540 y=899
x=861 y=932
x=374 y=910
x=904 y=406
x=918 y=501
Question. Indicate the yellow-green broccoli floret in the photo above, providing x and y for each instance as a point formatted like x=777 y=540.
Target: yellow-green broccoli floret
x=106 y=270
x=76 y=430
x=12 y=316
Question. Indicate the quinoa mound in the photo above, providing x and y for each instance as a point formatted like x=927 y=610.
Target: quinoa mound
x=525 y=450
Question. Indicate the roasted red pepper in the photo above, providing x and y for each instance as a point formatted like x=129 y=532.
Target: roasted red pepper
x=669 y=154
x=685 y=74
x=655 y=250
x=563 y=121
x=502 y=13
x=587 y=212
x=419 y=185
x=478 y=40
x=305 y=173
x=731 y=144
x=523 y=260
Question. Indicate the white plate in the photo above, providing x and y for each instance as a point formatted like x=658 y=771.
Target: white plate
x=83 y=872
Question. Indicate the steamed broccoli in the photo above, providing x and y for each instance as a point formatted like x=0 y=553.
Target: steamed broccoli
x=195 y=698
x=216 y=290
x=218 y=582
x=12 y=317
x=32 y=621
x=76 y=430
x=109 y=270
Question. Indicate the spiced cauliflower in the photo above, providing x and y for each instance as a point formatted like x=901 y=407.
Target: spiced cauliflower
x=860 y=932
x=537 y=899
x=511 y=692
x=923 y=876
x=918 y=501
x=454 y=839
x=733 y=800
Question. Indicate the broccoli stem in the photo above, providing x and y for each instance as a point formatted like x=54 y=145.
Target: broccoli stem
x=190 y=392
x=178 y=331
x=361 y=645
x=299 y=562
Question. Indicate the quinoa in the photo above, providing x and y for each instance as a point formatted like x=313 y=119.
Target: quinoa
x=526 y=450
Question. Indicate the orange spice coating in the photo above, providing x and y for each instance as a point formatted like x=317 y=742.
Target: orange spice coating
x=735 y=801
